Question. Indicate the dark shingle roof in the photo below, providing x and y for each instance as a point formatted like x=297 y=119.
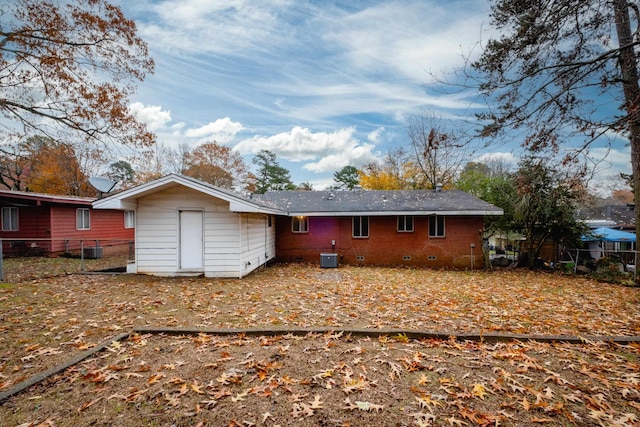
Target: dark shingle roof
x=375 y=202
x=624 y=216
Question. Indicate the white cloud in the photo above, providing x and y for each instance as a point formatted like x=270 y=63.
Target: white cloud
x=320 y=151
x=356 y=156
x=229 y=27
x=222 y=130
x=375 y=135
x=506 y=158
x=152 y=115
x=616 y=159
x=410 y=38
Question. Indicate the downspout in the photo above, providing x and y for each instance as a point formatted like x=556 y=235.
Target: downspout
x=240 y=251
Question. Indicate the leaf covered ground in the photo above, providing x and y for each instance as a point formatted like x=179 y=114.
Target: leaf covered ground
x=320 y=379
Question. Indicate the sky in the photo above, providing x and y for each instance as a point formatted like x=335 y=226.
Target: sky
x=323 y=84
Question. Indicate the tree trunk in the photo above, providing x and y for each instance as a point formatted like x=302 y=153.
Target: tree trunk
x=631 y=89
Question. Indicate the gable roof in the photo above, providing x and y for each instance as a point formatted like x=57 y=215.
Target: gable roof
x=127 y=199
x=25 y=198
x=377 y=202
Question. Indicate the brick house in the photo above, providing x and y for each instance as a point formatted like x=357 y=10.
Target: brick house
x=434 y=228
x=189 y=227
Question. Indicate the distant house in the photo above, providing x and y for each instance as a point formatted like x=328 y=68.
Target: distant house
x=188 y=227
x=435 y=228
x=35 y=224
x=621 y=217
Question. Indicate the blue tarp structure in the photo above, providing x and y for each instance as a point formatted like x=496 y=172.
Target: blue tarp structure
x=603 y=234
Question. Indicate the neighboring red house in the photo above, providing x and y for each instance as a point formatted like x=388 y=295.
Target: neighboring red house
x=435 y=228
x=35 y=224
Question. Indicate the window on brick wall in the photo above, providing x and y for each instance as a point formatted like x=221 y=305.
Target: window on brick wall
x=360 y=226
x=405 y=223
x=300 y=224
x=436 y=226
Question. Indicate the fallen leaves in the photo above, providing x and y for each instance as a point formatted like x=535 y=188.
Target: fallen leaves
x=600 y=383
x=324 y=378
x=362 y=406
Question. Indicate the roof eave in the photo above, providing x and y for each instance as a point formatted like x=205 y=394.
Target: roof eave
x=128 y=199
x=394 y=213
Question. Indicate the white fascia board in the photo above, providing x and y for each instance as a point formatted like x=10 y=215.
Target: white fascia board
x=127 y=199
x=392 y=213
x=242 y=206
x=119 y=204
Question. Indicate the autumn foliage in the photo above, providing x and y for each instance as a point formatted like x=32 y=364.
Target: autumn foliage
x=43 y=165
x=70 y=67
x=218 y=165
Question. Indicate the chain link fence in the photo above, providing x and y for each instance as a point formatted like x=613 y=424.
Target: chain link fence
x=25 y=259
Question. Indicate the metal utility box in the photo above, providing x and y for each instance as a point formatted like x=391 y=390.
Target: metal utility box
x=93 y=252
x=329 y=260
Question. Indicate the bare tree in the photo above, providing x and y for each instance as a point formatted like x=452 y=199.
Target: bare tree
x=439 y=153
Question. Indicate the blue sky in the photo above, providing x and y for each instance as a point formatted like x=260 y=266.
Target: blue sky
x=323 y=84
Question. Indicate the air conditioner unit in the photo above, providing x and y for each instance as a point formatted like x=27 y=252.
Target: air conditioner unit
x=328 y=260
x=93 y=252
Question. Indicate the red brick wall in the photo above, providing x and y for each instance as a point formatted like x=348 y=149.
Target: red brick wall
x=385 y=245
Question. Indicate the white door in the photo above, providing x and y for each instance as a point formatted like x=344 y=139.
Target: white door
x=191 y=237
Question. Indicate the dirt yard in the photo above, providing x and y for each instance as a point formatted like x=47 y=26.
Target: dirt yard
x=320 y=379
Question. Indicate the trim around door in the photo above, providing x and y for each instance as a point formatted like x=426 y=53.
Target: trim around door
x=190 y=240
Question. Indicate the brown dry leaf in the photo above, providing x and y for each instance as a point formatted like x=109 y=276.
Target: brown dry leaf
x=87 y=405
x=197 y=388
x=454 y=421
x=317 y=403
x=479 y=391
x=240 y=396
x=354 y=385
x=155 y=378
x=363 y=406
x=427 y=403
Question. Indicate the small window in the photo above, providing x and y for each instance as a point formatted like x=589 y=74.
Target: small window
x=9 y=219
x=300 y=224
x=360 y=226
x=436 y=226
x=269 y=221
x=129 y=219
x=83 y=219
x=405 y=223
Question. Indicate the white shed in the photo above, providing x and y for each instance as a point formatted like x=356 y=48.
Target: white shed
x=186 y=227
